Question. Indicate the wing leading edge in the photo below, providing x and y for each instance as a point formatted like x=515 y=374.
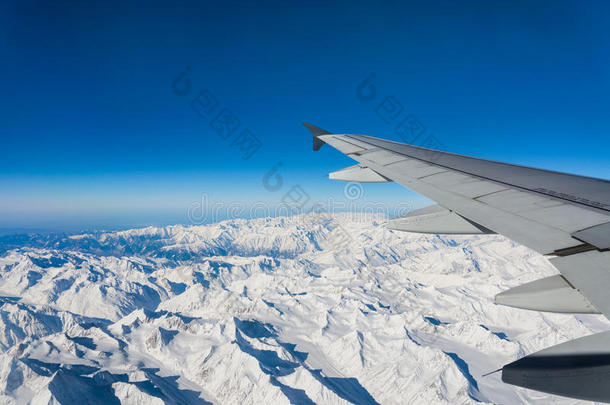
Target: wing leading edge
x=563 y=216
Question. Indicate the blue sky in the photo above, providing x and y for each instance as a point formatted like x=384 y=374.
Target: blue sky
x=93 y=134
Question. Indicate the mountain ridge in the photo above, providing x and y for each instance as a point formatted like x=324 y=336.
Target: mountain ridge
x=269 y=310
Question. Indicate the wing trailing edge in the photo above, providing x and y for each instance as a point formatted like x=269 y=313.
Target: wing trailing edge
x=436 y=220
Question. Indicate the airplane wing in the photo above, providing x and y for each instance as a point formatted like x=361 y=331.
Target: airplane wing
x=563 y=216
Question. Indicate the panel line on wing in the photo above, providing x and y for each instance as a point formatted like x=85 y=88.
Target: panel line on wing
x=433 y=174
x=491 y=193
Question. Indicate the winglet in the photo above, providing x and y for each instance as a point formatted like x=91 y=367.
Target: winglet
x=316 y=132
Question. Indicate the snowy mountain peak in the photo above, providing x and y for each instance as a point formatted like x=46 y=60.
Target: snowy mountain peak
x=270 y=310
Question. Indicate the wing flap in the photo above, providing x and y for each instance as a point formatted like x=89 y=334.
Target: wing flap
x=436 y=219
x=359 y=174
x=598 y=236
x=589 y=272
x=550 y=294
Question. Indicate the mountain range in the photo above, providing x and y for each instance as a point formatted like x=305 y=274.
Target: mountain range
x=269 y=310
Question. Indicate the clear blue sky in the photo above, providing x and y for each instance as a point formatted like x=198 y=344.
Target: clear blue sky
x=94 y=136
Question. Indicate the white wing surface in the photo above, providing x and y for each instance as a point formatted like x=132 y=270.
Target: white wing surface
x=564 y=216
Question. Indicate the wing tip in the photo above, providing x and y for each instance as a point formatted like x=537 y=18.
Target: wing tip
x=316 y=132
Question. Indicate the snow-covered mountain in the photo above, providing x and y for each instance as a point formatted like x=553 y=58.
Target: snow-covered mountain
x=268 y=311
